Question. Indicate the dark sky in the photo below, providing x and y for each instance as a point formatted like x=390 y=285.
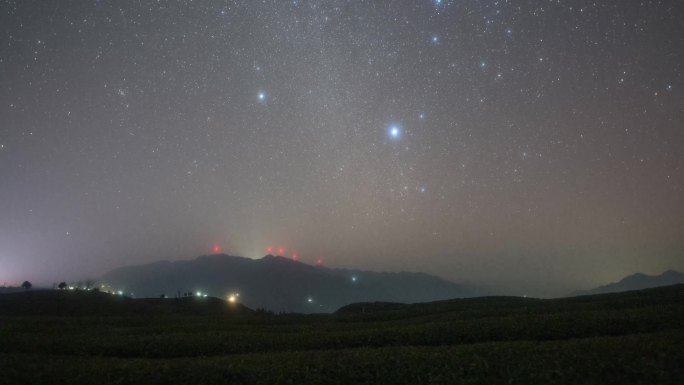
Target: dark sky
x=532 y=145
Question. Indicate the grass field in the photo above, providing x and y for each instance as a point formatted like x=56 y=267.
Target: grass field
x=84 y=337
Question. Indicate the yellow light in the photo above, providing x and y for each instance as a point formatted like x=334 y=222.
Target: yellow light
x=231 y=299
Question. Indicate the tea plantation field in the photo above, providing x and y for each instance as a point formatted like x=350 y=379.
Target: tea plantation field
x=79 y=337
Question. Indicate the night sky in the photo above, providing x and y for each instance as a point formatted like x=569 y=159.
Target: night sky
x=535 y=146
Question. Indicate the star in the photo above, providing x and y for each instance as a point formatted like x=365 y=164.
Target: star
x=318 y=112
x=394 y=131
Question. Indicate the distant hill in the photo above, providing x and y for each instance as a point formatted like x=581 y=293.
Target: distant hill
x=74 y=303
x=279 y=284
x=11 y=289
x=637 y=282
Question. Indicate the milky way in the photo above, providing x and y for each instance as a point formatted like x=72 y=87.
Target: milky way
x=531 y=145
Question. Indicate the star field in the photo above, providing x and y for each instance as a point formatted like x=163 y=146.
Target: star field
x=533 y=145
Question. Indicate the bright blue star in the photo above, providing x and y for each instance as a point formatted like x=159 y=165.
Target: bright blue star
x=438 y=4
x=434 y=39
x=394 y=131
x=261 y=96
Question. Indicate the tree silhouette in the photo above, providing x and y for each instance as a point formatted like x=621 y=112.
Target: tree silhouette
x=62 y=285
x=26 y=285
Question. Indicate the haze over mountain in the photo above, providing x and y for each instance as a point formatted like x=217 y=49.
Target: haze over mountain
x=637 y=281
x=279 y=284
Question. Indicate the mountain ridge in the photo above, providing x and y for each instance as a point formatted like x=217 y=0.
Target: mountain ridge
x=279 y=284
x=636 y=281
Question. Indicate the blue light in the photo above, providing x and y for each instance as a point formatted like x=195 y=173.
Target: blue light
x=438 y=4
x=394 y=131
x=261 y=96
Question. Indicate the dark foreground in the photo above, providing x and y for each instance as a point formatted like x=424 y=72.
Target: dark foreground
x=93 y=338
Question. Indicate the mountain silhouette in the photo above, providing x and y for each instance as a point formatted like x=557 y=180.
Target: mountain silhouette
x=637 y=281
x=278 y=284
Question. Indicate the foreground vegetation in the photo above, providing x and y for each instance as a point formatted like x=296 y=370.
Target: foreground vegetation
x=62 y=337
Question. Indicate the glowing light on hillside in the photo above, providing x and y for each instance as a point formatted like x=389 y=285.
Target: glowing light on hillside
x=319 y=261
x=281 y=251
x=294 y=256
x=199 y=294
x=216 y=248
x=269 y=249
x=233 y=297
